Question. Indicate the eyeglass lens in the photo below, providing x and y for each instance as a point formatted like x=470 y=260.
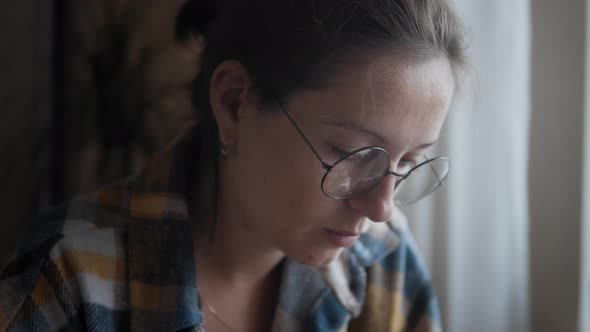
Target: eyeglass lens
x=364 y=169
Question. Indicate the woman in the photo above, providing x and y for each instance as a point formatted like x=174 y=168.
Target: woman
x=277 y=211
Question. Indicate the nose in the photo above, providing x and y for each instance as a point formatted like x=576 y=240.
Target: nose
x=376 y=204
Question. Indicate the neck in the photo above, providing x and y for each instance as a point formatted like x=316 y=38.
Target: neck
x=229 y=253
x=237 y=274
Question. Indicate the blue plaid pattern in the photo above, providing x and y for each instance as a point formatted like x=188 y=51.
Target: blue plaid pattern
x=121 y=259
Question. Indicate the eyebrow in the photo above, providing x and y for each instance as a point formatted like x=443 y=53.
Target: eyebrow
x=424 y=146
x=353 y=126
x=359 y=128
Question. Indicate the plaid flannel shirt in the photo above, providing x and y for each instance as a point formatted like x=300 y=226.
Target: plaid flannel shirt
x=121 y=258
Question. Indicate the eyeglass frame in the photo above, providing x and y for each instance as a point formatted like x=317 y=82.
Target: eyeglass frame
x=400 y=177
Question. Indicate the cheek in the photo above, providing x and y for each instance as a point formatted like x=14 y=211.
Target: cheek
x=278 y=174
x=280 y=193
x=295 y=189
x=293 y=173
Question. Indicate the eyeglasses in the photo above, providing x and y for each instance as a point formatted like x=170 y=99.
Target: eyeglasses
x=363 y=169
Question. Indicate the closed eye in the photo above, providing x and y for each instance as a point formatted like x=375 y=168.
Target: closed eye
x=338 y=152
x=405 y=166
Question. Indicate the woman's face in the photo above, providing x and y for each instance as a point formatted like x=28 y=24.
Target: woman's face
x=273 y=178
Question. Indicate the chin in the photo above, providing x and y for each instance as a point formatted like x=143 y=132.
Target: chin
x=317 y=258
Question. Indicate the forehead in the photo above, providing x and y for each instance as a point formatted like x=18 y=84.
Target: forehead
x=402 y=102
x=385 y=86
x=381 y=83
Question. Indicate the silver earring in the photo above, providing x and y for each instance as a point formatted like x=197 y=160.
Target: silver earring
x=225 y=149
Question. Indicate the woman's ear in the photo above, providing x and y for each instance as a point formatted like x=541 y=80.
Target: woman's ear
x=230 y=85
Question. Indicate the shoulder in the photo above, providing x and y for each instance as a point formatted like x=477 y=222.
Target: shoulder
x=74 y=248
x=82 y=257
x=85 y=222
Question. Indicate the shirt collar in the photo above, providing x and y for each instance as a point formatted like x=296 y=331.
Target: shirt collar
x=336 y=292
x=346 y=276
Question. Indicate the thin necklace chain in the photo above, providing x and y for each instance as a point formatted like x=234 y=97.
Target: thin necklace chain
x=214 y=313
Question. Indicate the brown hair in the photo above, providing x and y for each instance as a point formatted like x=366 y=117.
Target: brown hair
x=289 y=45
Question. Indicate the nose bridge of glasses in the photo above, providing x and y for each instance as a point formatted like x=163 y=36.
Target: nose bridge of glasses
x=389 y=182
x=397 y=178
x=392 y=170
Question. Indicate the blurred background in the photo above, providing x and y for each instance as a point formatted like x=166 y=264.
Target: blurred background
x=91 y=88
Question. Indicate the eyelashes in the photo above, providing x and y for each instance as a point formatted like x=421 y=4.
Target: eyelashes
x=338 y=152
x=404 y=165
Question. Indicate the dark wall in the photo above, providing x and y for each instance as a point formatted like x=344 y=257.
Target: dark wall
x=89 y=90
x=25 y=115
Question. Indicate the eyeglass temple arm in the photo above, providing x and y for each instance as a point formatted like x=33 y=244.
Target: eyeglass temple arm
x=324 y=165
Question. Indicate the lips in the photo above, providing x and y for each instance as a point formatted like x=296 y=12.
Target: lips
x=341 y=238
x=343 y=233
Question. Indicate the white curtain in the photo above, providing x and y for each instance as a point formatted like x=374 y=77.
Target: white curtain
x=474 y=232
x=508 y=238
